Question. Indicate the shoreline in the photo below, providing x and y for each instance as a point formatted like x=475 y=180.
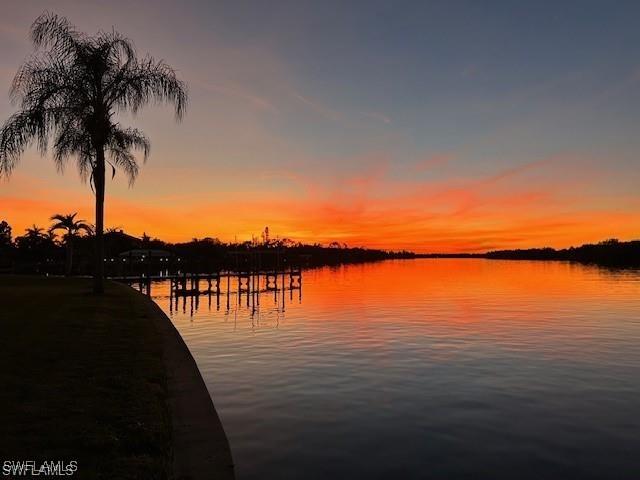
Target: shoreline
x=105 y=381
x=199 y=443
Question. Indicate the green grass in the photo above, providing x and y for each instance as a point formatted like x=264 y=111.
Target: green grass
x=81 y=378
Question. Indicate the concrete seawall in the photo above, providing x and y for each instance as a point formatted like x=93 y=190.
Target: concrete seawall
x=200 y=446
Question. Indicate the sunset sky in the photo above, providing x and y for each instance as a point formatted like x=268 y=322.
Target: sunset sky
x=431 y=126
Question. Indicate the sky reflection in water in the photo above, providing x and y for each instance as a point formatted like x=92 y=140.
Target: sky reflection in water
x=428 y=369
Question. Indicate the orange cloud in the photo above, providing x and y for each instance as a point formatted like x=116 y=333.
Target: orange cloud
x=517 y=207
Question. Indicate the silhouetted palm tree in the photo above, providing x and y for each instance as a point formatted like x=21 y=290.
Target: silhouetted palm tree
x=34 y=238
x=35 y=233
x=71 y=92
x=72 y=228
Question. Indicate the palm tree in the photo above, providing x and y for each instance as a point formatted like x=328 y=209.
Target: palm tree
x=70 y=92
x=34 y=238
x=34 y=232
x=72 y=228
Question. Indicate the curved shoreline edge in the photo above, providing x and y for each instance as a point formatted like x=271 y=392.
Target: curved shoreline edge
x=200 y=446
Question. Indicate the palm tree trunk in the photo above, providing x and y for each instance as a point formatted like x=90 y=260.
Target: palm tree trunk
x=98 y=180
x=69 y=262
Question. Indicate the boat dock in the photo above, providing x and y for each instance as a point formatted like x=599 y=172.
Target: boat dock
x=194 y=284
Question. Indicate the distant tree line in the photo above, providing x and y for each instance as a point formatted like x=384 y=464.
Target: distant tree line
x=67 y=247
x=610 y=252
x=47 y=251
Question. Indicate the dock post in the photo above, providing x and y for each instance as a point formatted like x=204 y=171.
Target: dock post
x=284 y=288
x=217 y=279
x=253 y=289
x=249 y=291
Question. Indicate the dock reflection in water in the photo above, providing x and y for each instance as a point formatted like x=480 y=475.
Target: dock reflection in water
x=427 y=369
x=254 y=295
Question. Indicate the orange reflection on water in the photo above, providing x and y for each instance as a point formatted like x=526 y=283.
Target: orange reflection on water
x=501 y=302
x=486 y=297
x=464 y=356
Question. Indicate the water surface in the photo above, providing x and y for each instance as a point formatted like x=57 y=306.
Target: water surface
x=442 y=368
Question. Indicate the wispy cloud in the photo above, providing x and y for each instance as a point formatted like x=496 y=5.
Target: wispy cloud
x=235 y=91
x=513 y=171
x=322 y=110
x=377 y=116
x=433 y=161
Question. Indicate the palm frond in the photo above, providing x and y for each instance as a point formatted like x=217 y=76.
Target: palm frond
x=119 y=146
x=116 y=49
x=56 y=33
x=72 y=140
x=130 y=138
x=125 y=161
x=70 y=224
x=85 y=226
x=19 y=131
x=141 y=82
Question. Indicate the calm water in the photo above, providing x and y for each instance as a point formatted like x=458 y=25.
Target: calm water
x=428 y=369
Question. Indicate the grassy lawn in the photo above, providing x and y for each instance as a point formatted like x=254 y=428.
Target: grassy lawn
x=81 y=379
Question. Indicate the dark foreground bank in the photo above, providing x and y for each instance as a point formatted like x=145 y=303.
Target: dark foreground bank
x=103 y=381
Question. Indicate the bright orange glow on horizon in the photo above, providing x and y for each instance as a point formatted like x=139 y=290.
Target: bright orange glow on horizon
x=446 y=216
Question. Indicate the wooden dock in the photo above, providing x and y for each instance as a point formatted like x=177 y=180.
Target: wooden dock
x=195 y=284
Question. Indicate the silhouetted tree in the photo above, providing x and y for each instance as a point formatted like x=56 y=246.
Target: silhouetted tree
x=72 y=229
x=610 y=252
x=146 y=240
x=6 y=240
x=36 y=244
x=609 y=241
x=71 y=91
x=34 y=233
